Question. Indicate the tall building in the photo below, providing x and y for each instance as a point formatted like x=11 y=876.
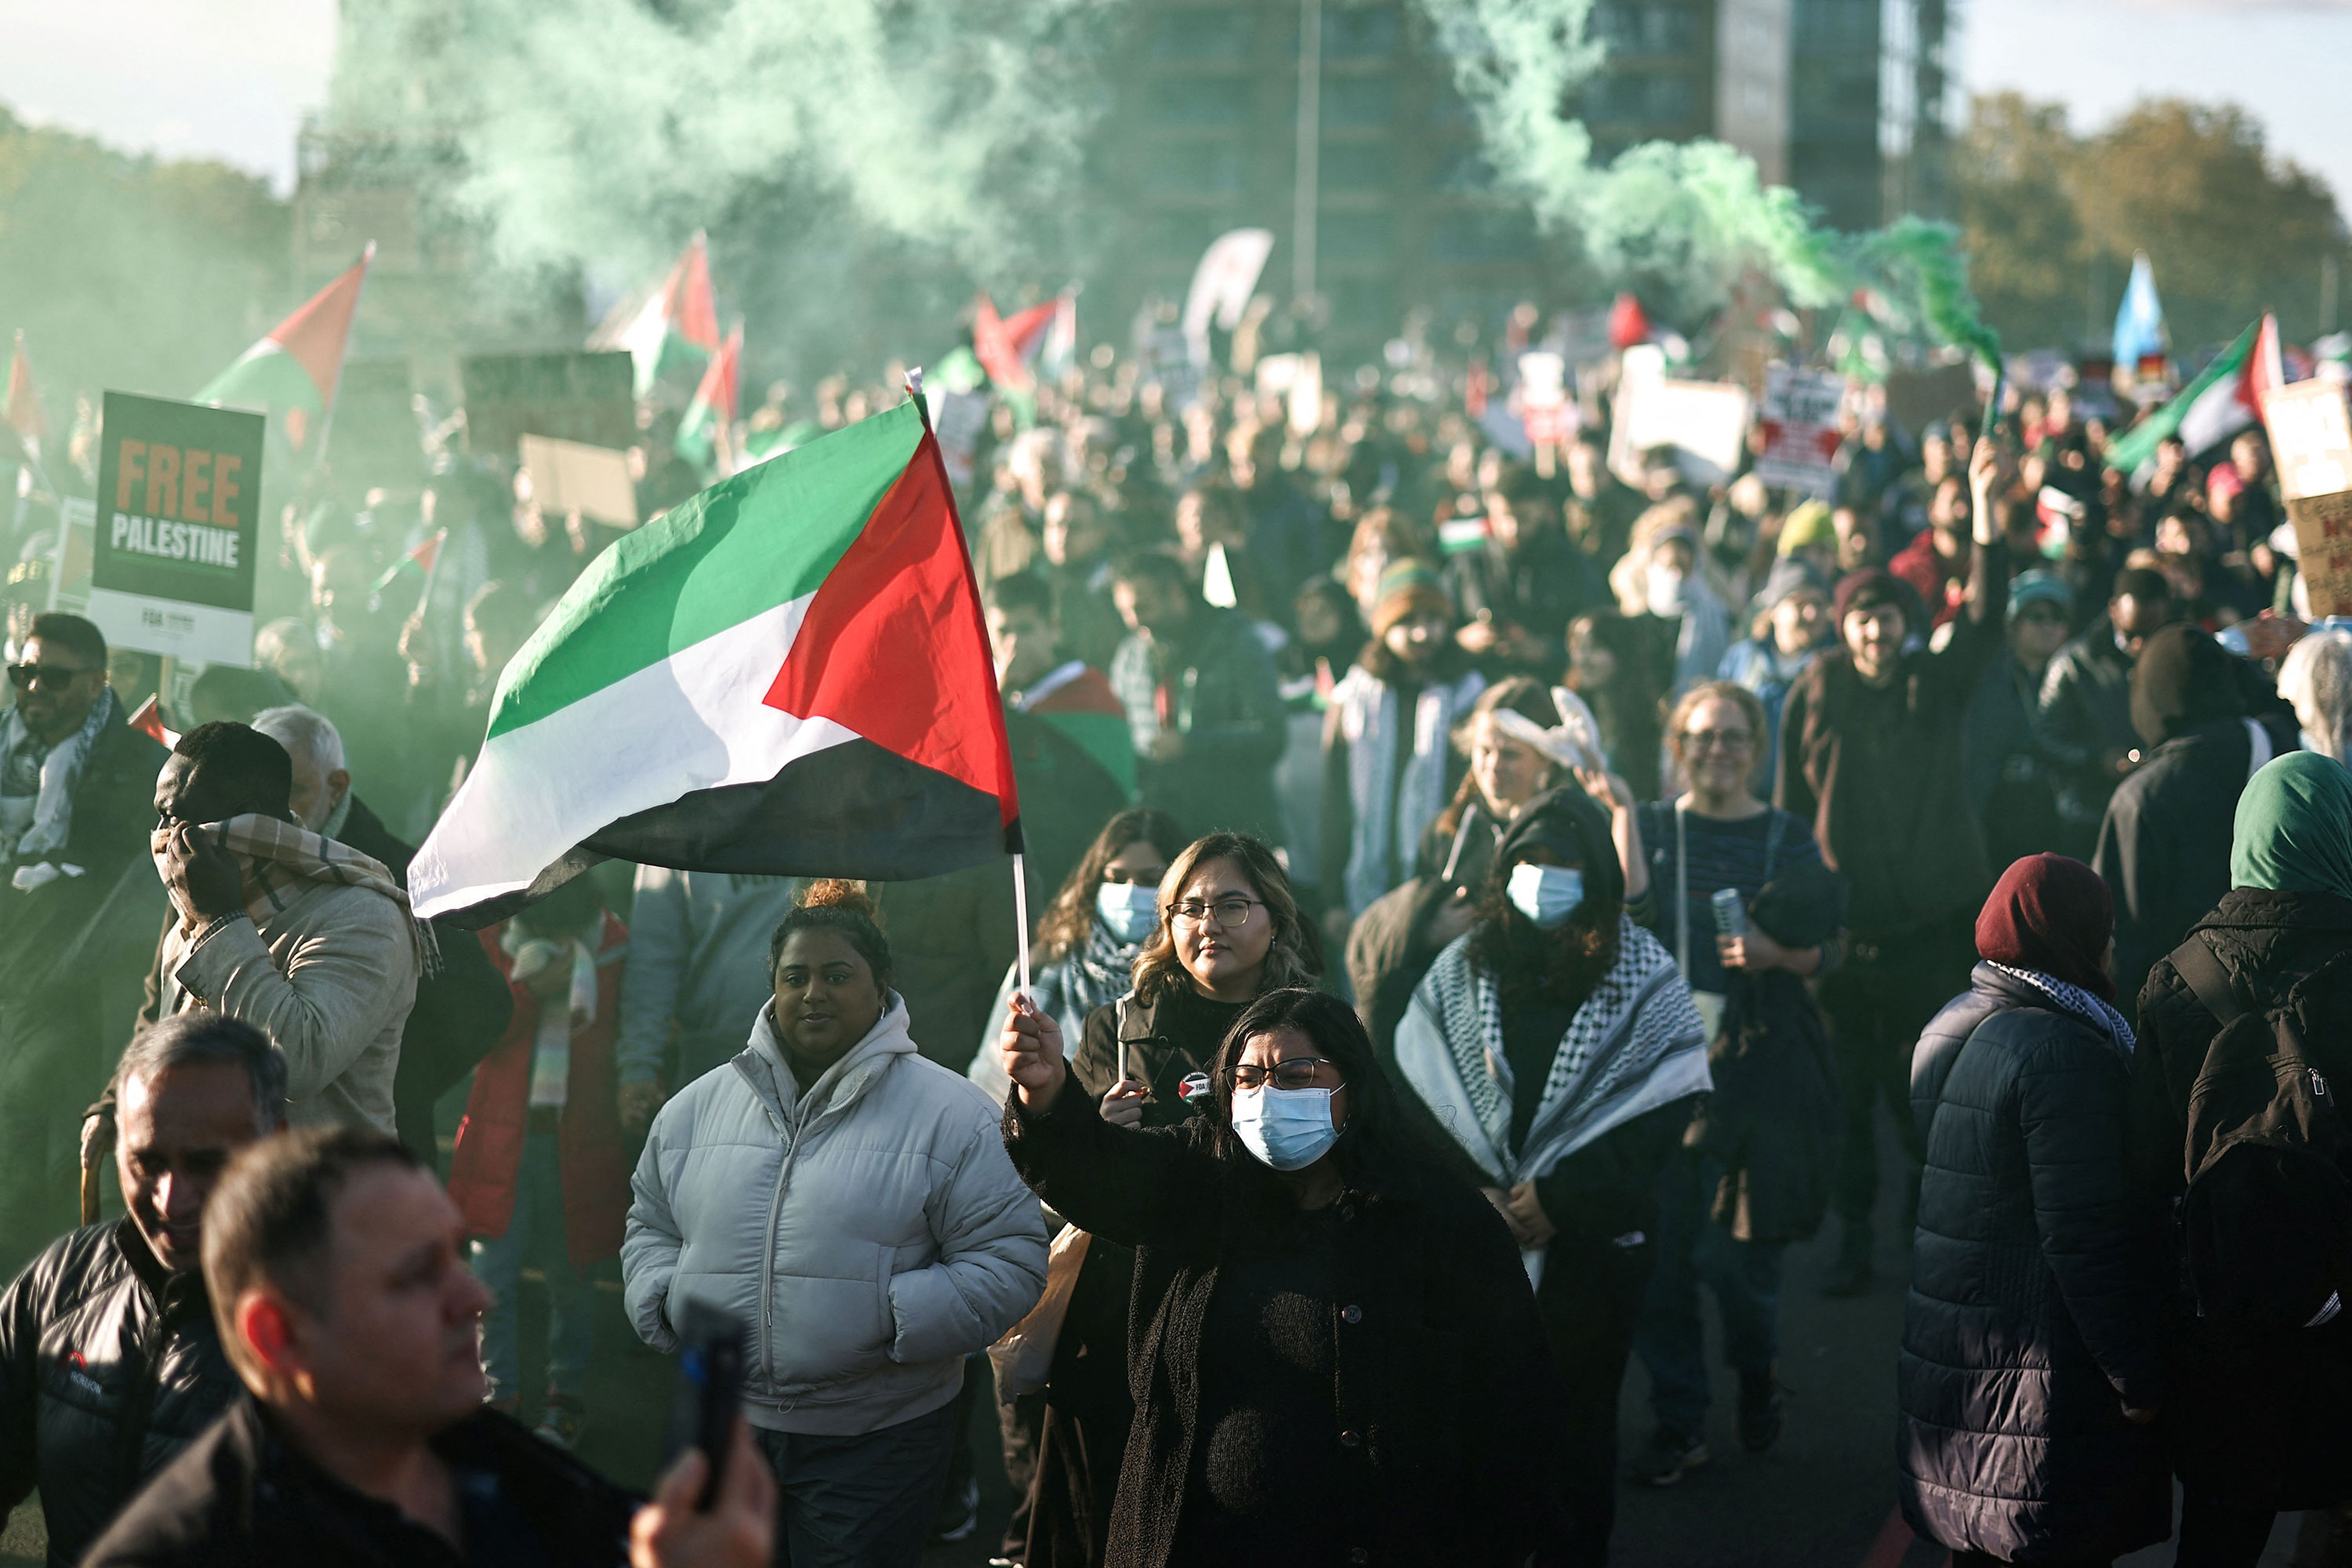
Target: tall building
x=1872 y=107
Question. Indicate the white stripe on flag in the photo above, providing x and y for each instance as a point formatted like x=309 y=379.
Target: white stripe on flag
x=694 y=721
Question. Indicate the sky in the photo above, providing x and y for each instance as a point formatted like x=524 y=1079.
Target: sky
x=231 y=79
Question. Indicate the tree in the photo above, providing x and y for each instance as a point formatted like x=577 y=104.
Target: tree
x=132 y=273
x=2051 y=221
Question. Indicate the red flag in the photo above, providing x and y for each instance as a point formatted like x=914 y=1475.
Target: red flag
x=1628 y=324
x=686 y=301
x=992 y=345
x=25 y=412
x=148 y=719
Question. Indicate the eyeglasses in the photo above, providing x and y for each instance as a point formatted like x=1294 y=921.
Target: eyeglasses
x=1297 y=1072
x=1718 y=740
x=1230 y=913
x=54 y=676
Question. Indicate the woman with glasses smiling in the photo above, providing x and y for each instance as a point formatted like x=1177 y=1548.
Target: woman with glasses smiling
x=1337 y=1357
x=1716 y=839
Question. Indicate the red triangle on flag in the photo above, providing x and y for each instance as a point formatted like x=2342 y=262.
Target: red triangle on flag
x=148 y=719
x=992 y=345
x=894 y=647
x=720 y=389
x=315 y=335
x=687 y=303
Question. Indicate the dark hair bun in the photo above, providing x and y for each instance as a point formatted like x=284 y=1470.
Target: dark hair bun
x=837 y=893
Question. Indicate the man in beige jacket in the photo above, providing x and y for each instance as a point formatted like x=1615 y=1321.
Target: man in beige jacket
x=294 y=934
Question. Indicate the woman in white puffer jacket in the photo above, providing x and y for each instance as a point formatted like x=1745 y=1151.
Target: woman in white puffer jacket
x=853 y=1203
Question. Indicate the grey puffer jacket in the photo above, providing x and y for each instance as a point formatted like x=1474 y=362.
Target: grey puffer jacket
x=870 y=1229
x=2032 y=1319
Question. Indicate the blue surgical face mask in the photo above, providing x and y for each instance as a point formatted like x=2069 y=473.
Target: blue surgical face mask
x=1545 y=894
x=1128 y=910
x=1289 y=1129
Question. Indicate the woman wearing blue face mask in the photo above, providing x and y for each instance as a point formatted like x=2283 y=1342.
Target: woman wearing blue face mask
x=1558 y=1048
x=1089 y=935
x=1337 y=1357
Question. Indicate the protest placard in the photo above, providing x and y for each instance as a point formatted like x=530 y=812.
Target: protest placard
x=179 y=497
x=1799 y=416
x=571 y=476
x=1702 y=422
x=584 y=396
x=2311 y=442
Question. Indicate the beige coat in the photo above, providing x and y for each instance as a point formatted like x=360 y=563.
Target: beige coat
x=331 y=978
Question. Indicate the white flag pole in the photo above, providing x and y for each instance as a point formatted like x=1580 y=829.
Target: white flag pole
x=1021 y=913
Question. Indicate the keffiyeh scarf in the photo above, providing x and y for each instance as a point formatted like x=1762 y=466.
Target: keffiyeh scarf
x=2072 y=998
x=1636 y=1044
x=52 y=822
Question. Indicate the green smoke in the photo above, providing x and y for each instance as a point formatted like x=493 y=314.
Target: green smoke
x=1686 y=219
x=602 y=131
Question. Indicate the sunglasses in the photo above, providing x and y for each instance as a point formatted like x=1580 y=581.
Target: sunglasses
x=52 y=677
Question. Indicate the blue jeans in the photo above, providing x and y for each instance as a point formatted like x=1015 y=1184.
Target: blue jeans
x=571 y=1300
x=865 y=1501
x=1744 y=1277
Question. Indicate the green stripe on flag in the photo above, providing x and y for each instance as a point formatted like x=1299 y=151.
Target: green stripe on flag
x=2135 y=447
x=267 y=379
x=742 y=547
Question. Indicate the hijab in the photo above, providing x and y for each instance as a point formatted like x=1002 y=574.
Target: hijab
x=2052 y=915
x=2293 y=827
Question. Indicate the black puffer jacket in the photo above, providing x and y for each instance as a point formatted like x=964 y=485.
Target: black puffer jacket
x=2032 y=1319
x=2259 y=1418
x=109 y=1367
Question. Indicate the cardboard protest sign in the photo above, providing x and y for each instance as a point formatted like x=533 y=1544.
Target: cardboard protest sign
x=2311 y=441
x=1799 y=418
x=569 y=476
x=587 y=397
x=178 y=523
x=1704 y=421
x=1918 y=397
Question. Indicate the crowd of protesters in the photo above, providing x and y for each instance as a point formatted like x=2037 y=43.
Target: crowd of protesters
x=1484 y=900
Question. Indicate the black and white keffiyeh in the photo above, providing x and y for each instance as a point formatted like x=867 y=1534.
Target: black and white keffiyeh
x=1636 y=1044
x=2072 y=998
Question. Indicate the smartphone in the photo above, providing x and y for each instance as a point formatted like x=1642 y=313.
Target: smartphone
x=709 y=1391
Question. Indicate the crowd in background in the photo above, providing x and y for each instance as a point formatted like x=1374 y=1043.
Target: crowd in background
x=1412 y=814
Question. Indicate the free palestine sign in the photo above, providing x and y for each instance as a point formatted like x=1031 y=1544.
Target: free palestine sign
x=179 y=518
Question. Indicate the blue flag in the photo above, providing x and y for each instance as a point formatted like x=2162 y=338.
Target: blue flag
x=2140 y=322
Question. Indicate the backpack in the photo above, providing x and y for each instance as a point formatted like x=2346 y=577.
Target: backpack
x=2266 y=1223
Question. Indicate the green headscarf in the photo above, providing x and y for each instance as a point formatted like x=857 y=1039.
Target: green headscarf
x=2293 y=827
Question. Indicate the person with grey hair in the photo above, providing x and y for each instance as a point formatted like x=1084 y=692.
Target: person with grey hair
x=109 y=1363
x=2317 y=679
x=463 y=1006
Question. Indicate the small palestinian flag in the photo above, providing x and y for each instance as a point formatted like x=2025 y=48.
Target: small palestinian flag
x=293 y=371
x=2225 y=398
x=787 y=675
x=712 y=413
x=417 y=563
x=676 y=323
x=1078 y=699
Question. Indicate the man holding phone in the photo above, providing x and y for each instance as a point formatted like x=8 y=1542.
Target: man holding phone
x=334 y=1263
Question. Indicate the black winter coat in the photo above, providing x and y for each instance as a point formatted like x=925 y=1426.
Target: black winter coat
x=2259 y=1418
x=2031 y=1318
x=239 y=1496
x=2164 y=847
x=109 y=1367
x=2086 y=714
x=1447 y=1414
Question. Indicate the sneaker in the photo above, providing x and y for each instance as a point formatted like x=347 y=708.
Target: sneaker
x=959 y=1514
x=1762 y=1412
x=1667 y=1458
x=562 y=1424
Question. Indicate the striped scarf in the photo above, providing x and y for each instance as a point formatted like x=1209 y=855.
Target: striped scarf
x=2073 y=998
x=280 y=862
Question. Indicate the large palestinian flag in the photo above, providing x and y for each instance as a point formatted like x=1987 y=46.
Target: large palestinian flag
x=789 y=674
x=2225 y=398
x=294 y=371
